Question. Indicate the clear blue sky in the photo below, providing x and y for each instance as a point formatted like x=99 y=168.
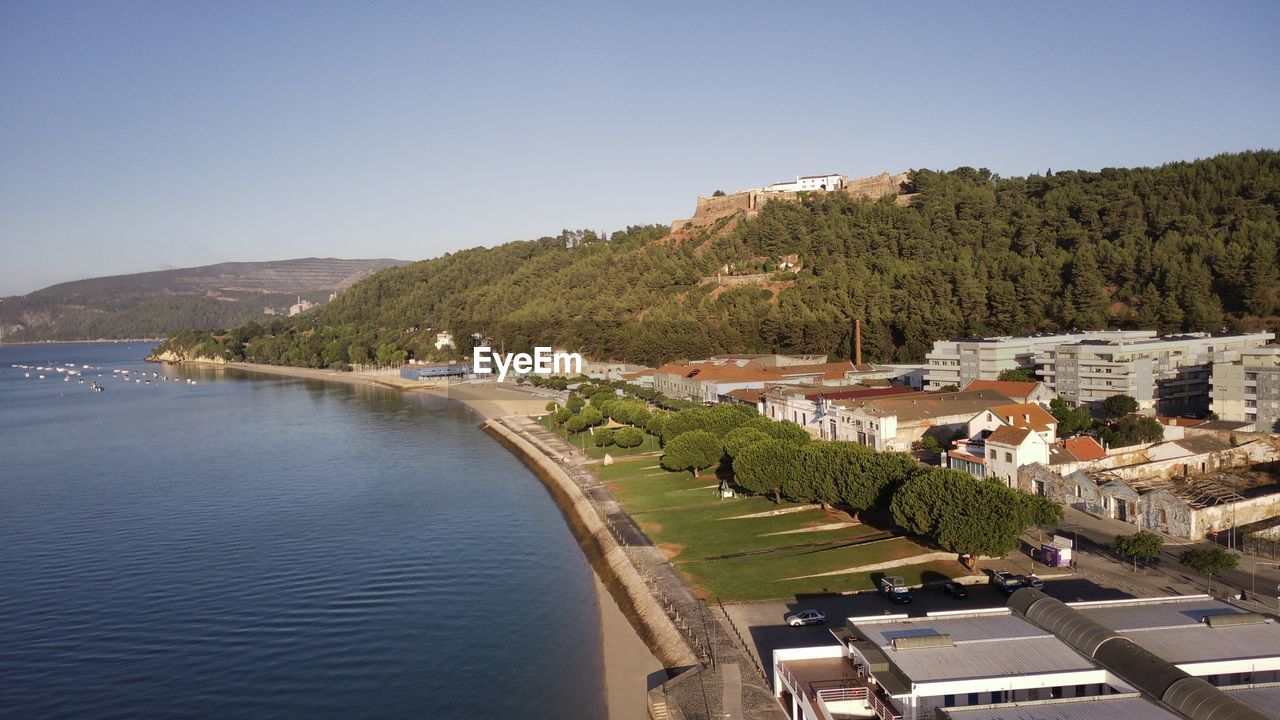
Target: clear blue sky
x=142 y=135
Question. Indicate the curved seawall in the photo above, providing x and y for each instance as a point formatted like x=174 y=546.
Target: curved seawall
x=603 y=552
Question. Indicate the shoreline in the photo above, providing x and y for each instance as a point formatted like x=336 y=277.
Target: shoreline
x=629 y=666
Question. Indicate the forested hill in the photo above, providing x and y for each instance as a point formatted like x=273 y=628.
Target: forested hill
x=153 y=304
x=1183 y=247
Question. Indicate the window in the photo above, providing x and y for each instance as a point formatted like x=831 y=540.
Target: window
x=1079 y=493
x=992 y=454
x=948 y=701
x=973 y=698
x=1008 y=457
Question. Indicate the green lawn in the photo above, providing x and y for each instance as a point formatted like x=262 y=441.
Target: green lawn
x=724 y=555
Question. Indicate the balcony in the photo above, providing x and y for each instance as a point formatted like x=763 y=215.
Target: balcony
x=833 y=690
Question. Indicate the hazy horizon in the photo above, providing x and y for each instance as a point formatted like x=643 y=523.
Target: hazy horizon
x=143 y=136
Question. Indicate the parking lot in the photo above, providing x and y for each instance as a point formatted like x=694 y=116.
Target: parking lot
x=762 y=624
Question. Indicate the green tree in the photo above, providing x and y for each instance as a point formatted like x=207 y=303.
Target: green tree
x=1131 y=430
x=1143 y=545
x=575 y=403
x=982 y=524
x=718 y=419
x=736 y=440
x=1086 y=293
x=656 y=423
x=1119 y=405
x=628 y=437
x=1018 y=375
x=1209 y=562
x=1070 y=420
x=766 y=467
x=602 y=438
x=552 y=406
x=591 y=416
x=694 y=450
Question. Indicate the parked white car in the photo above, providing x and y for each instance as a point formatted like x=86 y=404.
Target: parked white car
x=806 y=617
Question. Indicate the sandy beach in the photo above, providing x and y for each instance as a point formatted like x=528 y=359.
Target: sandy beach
x=630 y=669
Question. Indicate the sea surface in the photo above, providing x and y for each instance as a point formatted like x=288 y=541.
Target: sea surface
x=256 y=547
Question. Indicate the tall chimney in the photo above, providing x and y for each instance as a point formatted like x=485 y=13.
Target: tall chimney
x=857 y=341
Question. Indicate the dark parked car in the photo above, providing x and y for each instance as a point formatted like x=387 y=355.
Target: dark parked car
x=1031 y=581
x=1006 y=583
x=955 y=590
x=895 y=589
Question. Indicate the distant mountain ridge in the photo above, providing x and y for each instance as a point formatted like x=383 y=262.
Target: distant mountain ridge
x=155 y=303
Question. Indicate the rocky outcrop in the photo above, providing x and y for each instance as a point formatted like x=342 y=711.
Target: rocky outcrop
x=175 y=356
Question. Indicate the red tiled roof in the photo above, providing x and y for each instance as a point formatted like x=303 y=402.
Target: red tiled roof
x=1084 y=448
x=1026 y=415
x=828 y=371
x=746 y=395
x=1005 y=435
x=1014 y=389
x=862 y=393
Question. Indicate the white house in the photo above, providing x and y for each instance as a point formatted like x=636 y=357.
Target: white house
x=444 y=340
x=809 y=183
x=1022 y=415
x=1009 y=448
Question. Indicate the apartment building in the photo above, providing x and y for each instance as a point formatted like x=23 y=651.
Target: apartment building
x=1166 y=658
x=958 y=362
x=1248 y=389
x=1169 y=375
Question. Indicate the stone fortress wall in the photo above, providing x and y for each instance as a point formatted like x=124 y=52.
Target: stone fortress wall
x=709 y=210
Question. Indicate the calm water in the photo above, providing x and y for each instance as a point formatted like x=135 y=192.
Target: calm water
x=261 y=548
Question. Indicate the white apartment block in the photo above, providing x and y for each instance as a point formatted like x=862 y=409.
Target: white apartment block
x=1248 y=389
x=1169 y=375
x=957 y=362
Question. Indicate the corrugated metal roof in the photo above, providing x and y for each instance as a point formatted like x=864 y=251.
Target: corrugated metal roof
x=1265 y=699
x=1102 y=707
x=961 y=629
x=1198 y=643
x=1169 y=613
x=978 y=659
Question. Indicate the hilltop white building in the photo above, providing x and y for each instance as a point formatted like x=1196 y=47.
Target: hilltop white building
x=809 y=183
